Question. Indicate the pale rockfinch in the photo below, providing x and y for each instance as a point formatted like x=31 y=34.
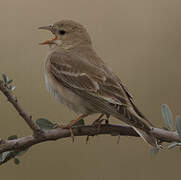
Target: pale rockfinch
x=77 y=77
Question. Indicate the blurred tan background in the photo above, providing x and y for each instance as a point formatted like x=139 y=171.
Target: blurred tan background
x=141 y=40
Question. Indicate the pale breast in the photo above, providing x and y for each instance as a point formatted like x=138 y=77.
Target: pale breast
x=63 y=94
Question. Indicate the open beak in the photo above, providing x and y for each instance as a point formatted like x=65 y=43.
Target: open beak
x=51 y=41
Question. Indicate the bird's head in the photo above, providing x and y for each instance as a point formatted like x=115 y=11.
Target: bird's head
x=67 y=33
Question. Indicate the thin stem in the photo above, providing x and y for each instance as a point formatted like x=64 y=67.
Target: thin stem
x=13 y=100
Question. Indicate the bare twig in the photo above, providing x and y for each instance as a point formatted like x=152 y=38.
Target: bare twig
x=111 y=129
x=13 y=100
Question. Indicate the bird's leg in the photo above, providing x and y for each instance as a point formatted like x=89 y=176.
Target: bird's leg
x=72 y=123
x=97 y=122
x=107 y=119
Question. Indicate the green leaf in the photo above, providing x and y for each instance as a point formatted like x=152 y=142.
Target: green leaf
x=170 y=146
x=5 y=155
x=5 y=78
x=12 y=137
x=8 y=155
x=154 y=151
x=167 y=116
x=45 y=123
x=79 y=123
x=173 y=145
x=178 y=125
x=9 y=82
x=16 y=161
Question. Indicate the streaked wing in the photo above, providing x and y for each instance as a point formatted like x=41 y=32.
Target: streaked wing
x=80 y=74
x=96 y=86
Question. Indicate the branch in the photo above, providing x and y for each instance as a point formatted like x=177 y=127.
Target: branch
x=21 y=144
x=58 y=133
x=13 y=100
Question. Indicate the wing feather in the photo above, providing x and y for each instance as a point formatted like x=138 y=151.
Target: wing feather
x=80 y=74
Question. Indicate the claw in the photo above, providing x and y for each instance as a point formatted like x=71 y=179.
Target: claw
x=87 y=139
x=97 y=123
x=72 y=134
x=67 y=127
x=71 y=124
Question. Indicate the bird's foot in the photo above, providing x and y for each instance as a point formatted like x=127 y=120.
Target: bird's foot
x=97 y=123
x=68 y=126
x=71 y=124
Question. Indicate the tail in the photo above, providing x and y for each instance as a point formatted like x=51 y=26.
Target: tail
x=125 y=112
x=147 y=137
x=139 y=124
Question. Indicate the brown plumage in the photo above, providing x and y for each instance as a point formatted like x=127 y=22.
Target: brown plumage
x=76 y=76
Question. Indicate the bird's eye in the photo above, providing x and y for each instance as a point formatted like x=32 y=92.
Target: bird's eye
x=62 y=32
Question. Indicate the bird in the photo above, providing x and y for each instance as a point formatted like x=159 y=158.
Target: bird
x=77 y=77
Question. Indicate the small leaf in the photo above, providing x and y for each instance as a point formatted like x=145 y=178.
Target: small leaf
x=155 y=151
x=45 y=123
x=9 y=82
x=12 y=137
x=167 y=116
x=8 y=155
x=5 y=155
x=173 y=145
x=79 y=123
x=170 y=146
x=5 y=78
x=16 y=161
x=178 y=125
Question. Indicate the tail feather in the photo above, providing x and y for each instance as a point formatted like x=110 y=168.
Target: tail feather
x=139 y=125
x=133 y=118
x=147 y=137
